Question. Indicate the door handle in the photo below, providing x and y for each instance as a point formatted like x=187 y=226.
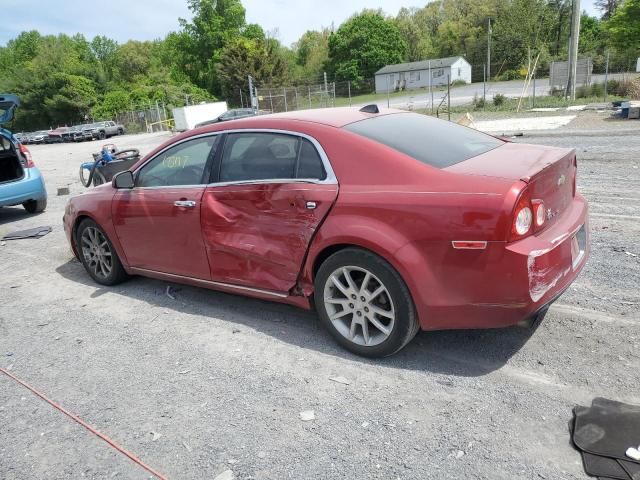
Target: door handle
x=311 y=205
x=184 y=203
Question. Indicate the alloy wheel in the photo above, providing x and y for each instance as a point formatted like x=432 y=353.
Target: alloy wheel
x=359 y=306
x=96 y=252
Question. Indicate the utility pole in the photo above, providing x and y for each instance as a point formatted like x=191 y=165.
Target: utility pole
x=573 y=49
x=430 y=89
x=489 y=51
x=326 y=87
x=606 y=76
x=251 y=95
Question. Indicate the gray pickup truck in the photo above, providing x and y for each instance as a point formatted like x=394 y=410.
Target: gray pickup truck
x=102 y=130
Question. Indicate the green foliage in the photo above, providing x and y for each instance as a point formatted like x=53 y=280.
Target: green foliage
x=243 y=57
x=63 y=79
x=364 y=44
x=624 y=27
x=498 y=99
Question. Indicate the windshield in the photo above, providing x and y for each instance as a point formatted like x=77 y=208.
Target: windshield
x=427 y=139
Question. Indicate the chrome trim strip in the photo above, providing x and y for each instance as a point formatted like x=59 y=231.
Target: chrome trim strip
x=330 y=180
x=331 y=176
x=187 y=139
x=142 y=271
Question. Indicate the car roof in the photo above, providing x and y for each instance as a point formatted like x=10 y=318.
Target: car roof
x=334 y=117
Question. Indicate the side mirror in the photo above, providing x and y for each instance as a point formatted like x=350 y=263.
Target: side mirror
x=122 y=180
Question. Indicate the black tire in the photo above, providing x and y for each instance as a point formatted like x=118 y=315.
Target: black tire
x=90 y=259
x=98 y=178
x=35 y=206
x=102 y=135
x=120 y=131
x=404 y=326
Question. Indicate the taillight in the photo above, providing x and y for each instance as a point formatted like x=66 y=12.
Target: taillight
x=539 y=212
x=27 y=156
x=522 y=217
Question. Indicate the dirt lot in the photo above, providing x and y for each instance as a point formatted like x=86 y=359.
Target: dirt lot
x=211 y=382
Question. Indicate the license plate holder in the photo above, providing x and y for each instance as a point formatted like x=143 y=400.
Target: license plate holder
x=578 y=246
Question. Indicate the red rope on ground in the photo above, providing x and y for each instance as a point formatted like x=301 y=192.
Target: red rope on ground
x=86 y=425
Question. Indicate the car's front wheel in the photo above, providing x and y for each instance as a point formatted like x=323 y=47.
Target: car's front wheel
x=98 y=255
x=364 y=303
x=35 y=206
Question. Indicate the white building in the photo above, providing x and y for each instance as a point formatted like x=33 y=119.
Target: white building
x=416 y=74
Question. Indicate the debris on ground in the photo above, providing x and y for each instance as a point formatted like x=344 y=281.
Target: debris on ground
x=226 y=475
x=307 y=415
x=168 y=293
x=606 y=435
x=155 y=435
x=342 y=380
x=63 y=191
x=36 y=232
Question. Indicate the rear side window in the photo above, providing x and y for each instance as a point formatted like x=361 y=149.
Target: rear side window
x=310 y=164
x=427 y=139
x=267 y=156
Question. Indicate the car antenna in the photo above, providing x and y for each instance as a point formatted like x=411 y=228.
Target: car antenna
x=373 y=108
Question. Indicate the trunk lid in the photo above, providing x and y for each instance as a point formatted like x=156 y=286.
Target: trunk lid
x=549 y=172
x=8 y=105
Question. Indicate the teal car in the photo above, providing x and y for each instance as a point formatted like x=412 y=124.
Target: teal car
x=21 y=182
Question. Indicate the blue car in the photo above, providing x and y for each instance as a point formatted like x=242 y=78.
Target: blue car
x=20 y=181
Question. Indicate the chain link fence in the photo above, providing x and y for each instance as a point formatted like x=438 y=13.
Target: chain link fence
x=145 y=118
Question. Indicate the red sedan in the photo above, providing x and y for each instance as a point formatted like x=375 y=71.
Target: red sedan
x=387 y=222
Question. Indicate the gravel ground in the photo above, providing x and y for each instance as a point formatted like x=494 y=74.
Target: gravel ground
x=211 y=382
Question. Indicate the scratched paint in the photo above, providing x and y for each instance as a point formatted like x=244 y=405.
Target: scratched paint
x=542 y=280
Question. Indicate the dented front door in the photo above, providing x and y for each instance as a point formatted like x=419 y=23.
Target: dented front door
x=257 y=234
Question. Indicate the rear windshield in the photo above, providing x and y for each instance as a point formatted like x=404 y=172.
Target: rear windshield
x=427 y=139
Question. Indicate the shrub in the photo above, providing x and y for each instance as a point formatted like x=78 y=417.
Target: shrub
x=511 y=75
x=133 y=128
x=583 y=91
x=556 y=92
x=629 y=88
x=597 y=89
x=498 y=99
x=458 y=82
x=478 y=102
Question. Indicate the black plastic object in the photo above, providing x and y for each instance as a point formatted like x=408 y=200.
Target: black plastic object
x=373 y=108
x=30 y=233
x=602 y=433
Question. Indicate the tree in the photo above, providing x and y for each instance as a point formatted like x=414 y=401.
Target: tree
x=624 y=27
x=517 y=42
x=132 y=59
x=362 y=45
x=415 y=33
x=607 y=7
x=243 y=57
x=215 y=23
x=72 y=99
x=105 y=50
x=311 y=54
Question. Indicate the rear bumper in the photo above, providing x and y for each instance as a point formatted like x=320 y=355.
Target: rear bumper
x=507 y=284
x=31 y=187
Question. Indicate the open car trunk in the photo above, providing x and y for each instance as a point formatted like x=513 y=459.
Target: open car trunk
x=10 y=166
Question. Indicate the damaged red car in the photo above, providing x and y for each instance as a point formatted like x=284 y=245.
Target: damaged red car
x=386 y=222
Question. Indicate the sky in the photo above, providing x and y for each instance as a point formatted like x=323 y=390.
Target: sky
x=125 y=20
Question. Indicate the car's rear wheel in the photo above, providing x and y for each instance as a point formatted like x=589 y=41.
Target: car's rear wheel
x=35 y=206
x=364 y=303
x=98 y=255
